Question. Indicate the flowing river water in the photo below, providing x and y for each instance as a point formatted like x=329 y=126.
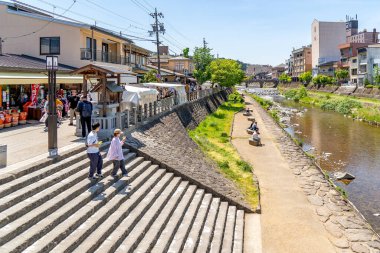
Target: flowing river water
x=341 y=144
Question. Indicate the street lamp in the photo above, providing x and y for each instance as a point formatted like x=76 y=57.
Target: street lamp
x=52 y=67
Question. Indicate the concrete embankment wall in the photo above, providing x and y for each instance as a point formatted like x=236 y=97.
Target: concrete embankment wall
x=343 y=90
x=165 y=141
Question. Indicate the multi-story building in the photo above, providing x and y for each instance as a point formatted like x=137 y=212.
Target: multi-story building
x=289 y=66
x=177 y=64
x=367 y=60
x=326 y=36
x=258 y=70
x=278 y=70
x=353 y=70
x=31 y=32
x=302 y=58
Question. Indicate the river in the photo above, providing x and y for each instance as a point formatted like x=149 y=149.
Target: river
x=343 y=145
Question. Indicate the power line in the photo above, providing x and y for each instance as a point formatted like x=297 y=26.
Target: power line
x=177 y=42
x=141 y=6
x=114 y=13
x=173 y=44
x=151 y=6
x=42 y=27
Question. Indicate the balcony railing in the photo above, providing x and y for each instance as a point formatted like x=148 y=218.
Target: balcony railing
x=103 y=56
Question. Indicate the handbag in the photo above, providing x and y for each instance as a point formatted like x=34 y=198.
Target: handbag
x=43 y=118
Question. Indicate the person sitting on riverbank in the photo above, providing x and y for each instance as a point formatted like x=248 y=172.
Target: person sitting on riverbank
x=256 y=138
x=253 y=126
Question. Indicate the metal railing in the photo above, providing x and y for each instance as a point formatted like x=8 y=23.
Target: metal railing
x=103 y=56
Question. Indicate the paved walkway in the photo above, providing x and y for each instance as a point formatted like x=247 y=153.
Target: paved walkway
x=301 y=211
x=288 y=221
x=30 y=141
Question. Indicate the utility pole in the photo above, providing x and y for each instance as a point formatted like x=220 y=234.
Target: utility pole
x=204 y=43
x=158 y=28
x=1 y=46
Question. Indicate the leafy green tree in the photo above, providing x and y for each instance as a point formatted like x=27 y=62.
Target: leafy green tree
x=376 y=77
x=202 y=59
x=186 y=52
x=226 y=72
x=306 y=78
x=150 y=76
x=284 y=78
x=342 y=74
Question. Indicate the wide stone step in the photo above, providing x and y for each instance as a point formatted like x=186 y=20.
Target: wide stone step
x=209 y=226
x=217 y=240
x=118 y=225
x=89 y=219
x=27 y=170
x=35 y=176
x=196 y=229
x=185 y=226
x=164 y=204
x=59 y=188
x=239 y=232
x=51 y=213
x=228 y=238
x=161 y=244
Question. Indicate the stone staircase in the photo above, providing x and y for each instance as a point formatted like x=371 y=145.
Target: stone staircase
x=56 y=208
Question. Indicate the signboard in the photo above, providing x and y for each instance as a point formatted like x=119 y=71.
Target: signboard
x=34 y=95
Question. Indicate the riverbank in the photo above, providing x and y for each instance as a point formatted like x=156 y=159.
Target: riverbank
x=298 y=203
x=367 y=110
x=212 y=136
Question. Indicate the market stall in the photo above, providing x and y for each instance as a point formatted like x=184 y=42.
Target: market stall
x=134 y=96
x=176 y=90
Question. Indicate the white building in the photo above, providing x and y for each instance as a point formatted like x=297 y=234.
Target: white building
x=368 y=59
x=326 y=36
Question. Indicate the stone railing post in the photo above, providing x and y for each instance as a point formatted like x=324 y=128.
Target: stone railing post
x=139 y=113
x=145 y=111
x=155 y=108
x=150 y=110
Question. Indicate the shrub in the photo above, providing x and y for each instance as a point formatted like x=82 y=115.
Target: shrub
x=346 y=105
x=224 y=165
x=244 y=165
x=329 y=105
x=369 y=86
x=236 y=97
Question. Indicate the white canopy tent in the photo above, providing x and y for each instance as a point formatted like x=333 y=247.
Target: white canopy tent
x=133 y=96
x=179 y=88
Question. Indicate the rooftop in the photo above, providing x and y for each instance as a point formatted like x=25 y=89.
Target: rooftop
x=19 y=63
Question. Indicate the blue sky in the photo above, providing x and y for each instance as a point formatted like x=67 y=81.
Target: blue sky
x=254 y=31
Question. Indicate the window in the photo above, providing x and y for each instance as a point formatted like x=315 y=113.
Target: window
x=50 y=45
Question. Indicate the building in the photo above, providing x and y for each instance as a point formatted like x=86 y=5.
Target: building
x=258 y=70
x=76 y=44
x=327 y=68
x=289 y=66
x=302 y=58
x=367 y=60
x=326 y=37
x=278 y=70
x=177 y=64
x=353 y=68
x=354 y=36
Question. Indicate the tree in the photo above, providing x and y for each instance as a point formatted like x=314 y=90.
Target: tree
x=306 y=78
x=342 y=74
x=284 y=78
x=150 y=76
x=202 y=59
x=186 y=52
x=376 y=77
x=226 y=72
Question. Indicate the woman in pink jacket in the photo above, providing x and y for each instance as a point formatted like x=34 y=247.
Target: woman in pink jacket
x=115 y=153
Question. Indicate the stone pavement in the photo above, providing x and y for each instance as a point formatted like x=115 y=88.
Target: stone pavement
x=301 y=212
x=30 y=141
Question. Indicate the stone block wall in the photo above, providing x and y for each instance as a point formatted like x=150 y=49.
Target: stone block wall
x=165 y=141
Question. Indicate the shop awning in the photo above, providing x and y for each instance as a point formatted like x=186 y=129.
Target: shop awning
x=7 y=78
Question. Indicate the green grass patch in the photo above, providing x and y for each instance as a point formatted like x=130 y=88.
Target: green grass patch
x=212 y=136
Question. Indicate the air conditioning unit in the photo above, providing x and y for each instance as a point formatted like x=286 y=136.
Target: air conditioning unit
x=87 y=55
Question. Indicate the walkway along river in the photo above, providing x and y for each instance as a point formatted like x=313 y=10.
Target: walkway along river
x=344 y=145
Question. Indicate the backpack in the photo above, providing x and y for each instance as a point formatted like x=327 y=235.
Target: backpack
x=87 y=110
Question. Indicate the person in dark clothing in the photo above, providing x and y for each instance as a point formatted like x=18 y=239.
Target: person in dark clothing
x=73 y=103
x=85 y=111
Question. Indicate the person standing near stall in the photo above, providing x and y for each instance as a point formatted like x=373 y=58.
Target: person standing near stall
x=73 y=103
x=85 y=110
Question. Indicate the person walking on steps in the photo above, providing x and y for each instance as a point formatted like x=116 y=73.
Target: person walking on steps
x=85 y=110
x=115 y=153
x=93 y=152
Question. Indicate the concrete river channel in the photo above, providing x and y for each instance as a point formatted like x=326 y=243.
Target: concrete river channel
x=340 y=144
